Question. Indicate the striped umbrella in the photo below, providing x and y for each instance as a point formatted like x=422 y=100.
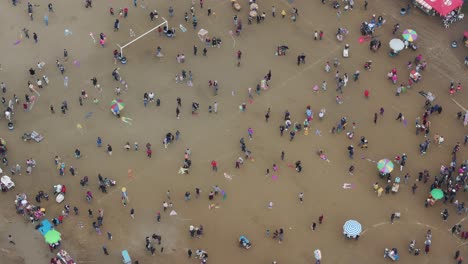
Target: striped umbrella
x=385 y=166
x=410 y=35
x=352 y=228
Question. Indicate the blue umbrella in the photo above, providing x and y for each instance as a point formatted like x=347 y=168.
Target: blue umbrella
x=352 y=228
x=46 y=226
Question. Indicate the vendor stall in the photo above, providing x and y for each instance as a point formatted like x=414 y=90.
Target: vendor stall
x=450 y=10
x=415 y=76
x=391 y=254
x=6 y=183
x=23 y=207
x=64 y=257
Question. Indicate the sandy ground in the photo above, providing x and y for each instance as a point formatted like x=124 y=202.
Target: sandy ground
x=216 y=136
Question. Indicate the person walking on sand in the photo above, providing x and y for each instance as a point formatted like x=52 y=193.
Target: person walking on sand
x=132 y=213
x=399 y=117
x=375 y=118
x=250 y=132
x=104 y=248
x=320 y=219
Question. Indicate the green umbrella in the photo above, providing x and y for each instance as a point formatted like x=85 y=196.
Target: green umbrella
x=437 y=194
x=53 y=236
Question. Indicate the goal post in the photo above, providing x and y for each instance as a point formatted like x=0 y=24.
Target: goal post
x=165 y=23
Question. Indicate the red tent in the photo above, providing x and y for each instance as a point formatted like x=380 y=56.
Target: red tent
x=444 y=7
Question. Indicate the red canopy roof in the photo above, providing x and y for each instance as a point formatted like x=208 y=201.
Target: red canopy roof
x=444 y=7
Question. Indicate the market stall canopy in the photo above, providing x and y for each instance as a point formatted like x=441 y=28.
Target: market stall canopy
x=437 y=194
x=352 y=228
x=397 y=44
x=53 y=236
x=444 y=7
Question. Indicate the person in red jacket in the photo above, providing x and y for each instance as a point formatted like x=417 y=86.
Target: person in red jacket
x=214 y=165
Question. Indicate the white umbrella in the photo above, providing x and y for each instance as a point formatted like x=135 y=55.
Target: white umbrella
x=352 y=228
x=397 y=44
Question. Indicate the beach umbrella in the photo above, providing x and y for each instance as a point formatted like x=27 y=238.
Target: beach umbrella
x=117 y=105
x=396 y=44
x=385 y=166
x=46 y=226
x=53 y=236
x=437 y=194
x=352 y=228
x=410 y=35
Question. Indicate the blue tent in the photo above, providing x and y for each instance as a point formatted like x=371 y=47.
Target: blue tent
x=46 y=226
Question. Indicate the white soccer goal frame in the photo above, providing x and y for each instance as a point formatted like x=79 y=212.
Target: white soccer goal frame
x=142 y=35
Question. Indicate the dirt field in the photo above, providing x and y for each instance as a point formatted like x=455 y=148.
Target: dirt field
x=244 y=211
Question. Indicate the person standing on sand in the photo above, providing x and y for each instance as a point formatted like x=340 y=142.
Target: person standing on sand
x=10 y=240
x=375 y=118
x=214 y=165
x=132 y=213
x=320 y=219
